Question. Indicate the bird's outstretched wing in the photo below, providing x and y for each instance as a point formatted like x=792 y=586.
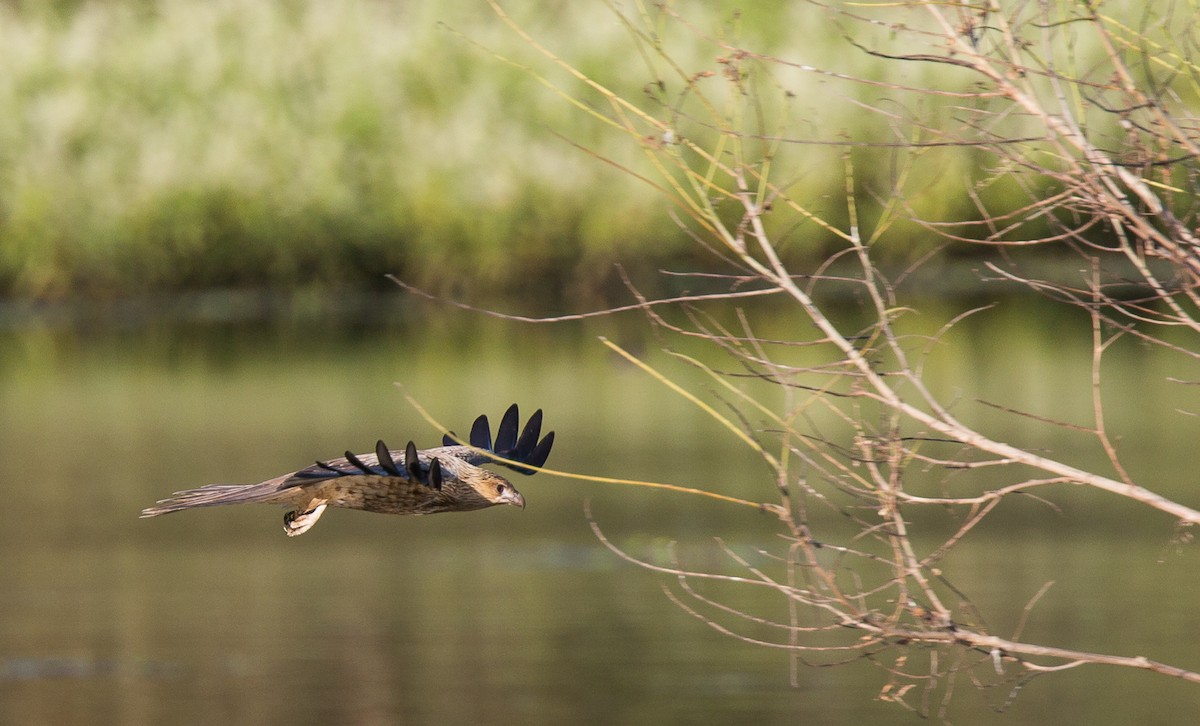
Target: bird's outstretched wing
x=427 y=472
x=417 y=480
x=516 y=450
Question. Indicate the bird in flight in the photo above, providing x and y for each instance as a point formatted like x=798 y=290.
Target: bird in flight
x=448 y=478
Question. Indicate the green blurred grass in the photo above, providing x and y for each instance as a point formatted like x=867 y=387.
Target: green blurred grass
x=294 y=143
x=190 y=145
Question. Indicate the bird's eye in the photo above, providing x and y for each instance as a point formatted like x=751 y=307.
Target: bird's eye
x=500 y=489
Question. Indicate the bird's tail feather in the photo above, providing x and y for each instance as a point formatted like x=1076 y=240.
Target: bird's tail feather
x=213 y=495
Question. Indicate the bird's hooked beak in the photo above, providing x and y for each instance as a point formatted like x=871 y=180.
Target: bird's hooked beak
x=513 y=497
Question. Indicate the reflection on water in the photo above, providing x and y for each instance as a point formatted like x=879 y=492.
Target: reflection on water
x=498 y=616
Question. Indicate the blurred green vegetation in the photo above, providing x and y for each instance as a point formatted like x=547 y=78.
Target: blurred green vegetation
x=170 y=146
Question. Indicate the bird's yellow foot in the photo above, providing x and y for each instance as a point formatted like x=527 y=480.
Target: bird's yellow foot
x=297 y=523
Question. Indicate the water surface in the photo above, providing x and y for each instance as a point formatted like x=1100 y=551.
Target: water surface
x=498 y=616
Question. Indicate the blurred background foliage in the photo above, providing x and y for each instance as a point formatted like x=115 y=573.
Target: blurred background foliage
x=152 y=147
x=284 y=145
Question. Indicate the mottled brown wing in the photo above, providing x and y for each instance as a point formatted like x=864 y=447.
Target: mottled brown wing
x=409 y=466
x=377 y=493
x=386 y=481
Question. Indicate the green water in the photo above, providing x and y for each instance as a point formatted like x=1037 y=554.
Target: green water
x=503 y=616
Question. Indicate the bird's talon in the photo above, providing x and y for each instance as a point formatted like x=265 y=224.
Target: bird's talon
x=295 y=523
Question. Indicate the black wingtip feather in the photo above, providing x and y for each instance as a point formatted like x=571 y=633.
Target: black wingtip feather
x=506 y=435
x=411 y=463
x=481 y=434
x=529 y=436
x=435 y=474
x=385 y=459
x=537 y=457
x=357 y=463
x=449 y=439
x=542 y=451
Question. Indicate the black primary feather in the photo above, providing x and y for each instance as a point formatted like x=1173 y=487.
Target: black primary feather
x=529 y=436
x=411 y=463
x=357 y=463
x=481 y=434
x=506 y=435
x=435 y=474
x=540 y=453
x=385 y=459
x=480 y=438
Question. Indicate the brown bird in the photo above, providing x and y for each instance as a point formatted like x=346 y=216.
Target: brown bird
x=443 y=479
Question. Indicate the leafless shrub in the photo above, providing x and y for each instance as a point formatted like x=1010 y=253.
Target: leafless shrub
x=1080 y=144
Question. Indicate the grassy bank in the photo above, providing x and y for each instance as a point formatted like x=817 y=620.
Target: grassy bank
x=175 y=145
x=228 y=143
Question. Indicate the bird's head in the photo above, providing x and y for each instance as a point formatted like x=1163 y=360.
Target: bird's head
x=496 y=489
